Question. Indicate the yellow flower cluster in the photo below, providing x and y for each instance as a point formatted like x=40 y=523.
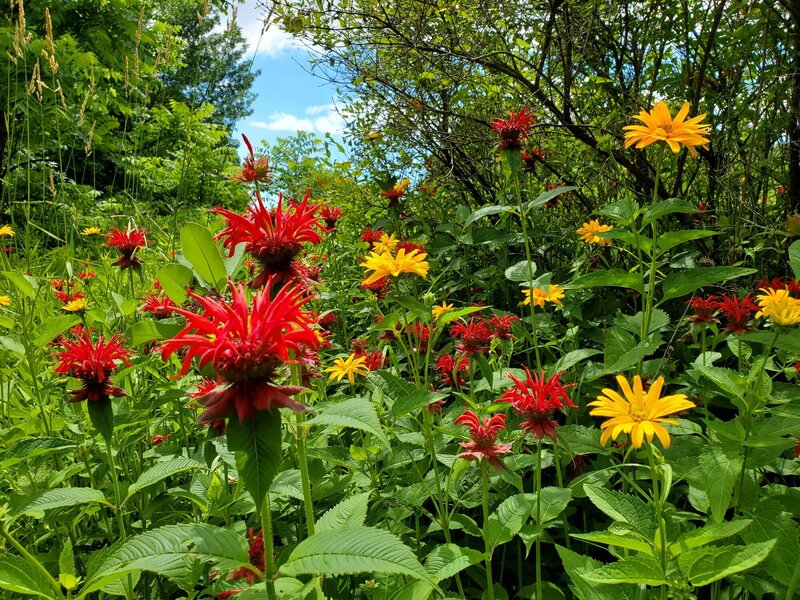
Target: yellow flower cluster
x=779 y=306
x=589 y=231
x=660 y=126
x=386 y=243
x=438 y=311
x=538 y=297
x=6 y=231
x=387 y=265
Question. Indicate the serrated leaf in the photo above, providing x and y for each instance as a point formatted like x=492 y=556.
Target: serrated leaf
x=160 y=471
x=506 y=521
x=545 y=197
x=17 y=576
x=61 y=497
x=47 y=331
x=288 y=483
x=101 y=414
x=149 y=330
x=670 y=239
x=168 y=551
x=712 y=563
x=794 y=258
x=23 y=285
x=197 y=244
x=608 y=278
x=257 y=443
x=640 y=568
x=554 y=501
x=717 y=472
x=727 y=380
x=666 y=207
x=66 y=559
x=351 y=550
x=770 y=521
x=570 y=359
x=682 y=283
x=486 y=211
x=707 y=534
x=406 y=396
x=350 y=512
x=448 y=559
x=522 y=271
x=174 y=280
x=624 y=508
x=577 y=566
x=629 y=540
x=458 y=313
x=356 y=413
x=33 y=447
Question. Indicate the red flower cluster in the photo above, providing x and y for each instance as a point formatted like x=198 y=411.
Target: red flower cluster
x=246 y=345
x=451 y=369
x=273 y=237
x=253 y=169
x=501 y=326
x=703 y=309
x=375 y=360
x=419 y=335
x=513 y=130
x=537 y=398
x=65 y=297
x=484 y=438
x=257 y=559
x=737 y=312
x=780 y=283
x=371 y=236
x=160 y=305
x=92 y=363
x=473 y=337
x=380 y=287
x=127 y=242
x=330 y=214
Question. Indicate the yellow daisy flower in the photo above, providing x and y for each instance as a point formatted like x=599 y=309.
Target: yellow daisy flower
x=438 y=311
x=386 y=243
x=660 y=126
x=779 y=306
x=402 y=185
x=385 y=265
x=348 y=367
x=6 y=231
x=91 y=231
x=537 y=296
x=589 y=231
x=374 y=135
x=76 y=305
x=638 y=413
x=5 y=301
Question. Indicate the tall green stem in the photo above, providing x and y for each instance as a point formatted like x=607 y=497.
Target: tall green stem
x=486 y=545
x=115 y=484
x=560 y=480
x=659 y=505
x=647 y=309
x=302 y=459
x=538 y=491
x=269 y=548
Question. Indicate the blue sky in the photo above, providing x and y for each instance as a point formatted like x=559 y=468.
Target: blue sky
x=289 y=97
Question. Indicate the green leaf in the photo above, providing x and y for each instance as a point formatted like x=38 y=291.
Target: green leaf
x=351 y=550
x=258 y=445
x=508 y=519
x=682 y=283
x=667 y=207
x=406 y=396
x=174 y=280
x=167 y=551
x=624 y=508
x=47 y=331
x=148 y=330
x=101 y=414
x=608 y=278
x=520 y=271
x=200 y=250
x=61 y=497
x=794 y=258
x=486 y=211
x=639 y=568
x=632 y=541
x=350 y=512
x=287 y=483
x=727 y=380
x=234 y=263
x=458 y=313
x=713 y=532
x=448 y=559
x=357 y=413
x=33 y=447
x=570 y=359
x=712 y=563
x=554 y=501
x=577 y=566
x=160 y=471
x=545 y=197
x=670 y=239
x=66 y=566
x=717 y=472
x=771 y=522
x=22 y=283
x=17 y=576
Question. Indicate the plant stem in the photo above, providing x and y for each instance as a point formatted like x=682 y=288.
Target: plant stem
x=269 y=549
x=487 y=547
x=647 y=309
x=538 y=491
x=37 y=566
x=560 y=480
x=302 y=459
x=117 y=495
x=662 y=530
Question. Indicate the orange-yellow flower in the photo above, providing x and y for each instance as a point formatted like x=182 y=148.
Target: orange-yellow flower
x=779 y=306
x=589 y=231
x=87 y=231
x=76 y=305
x=5 y=301
x=538 y=296
x=385 y=265
x=386 y=243
x=348 y=367
x=637 y=412
x=438 y=311
x=660 y=126
x=6 y=231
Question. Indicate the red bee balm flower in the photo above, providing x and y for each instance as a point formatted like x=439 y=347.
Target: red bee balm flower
x=127 y=242
x=92 y=363
x=484 y=438
x=501 y=326
x=703 y=309
x=737 y=312
x=474 y=337
x=330 y=214
x=161 y=306
x=451 y=369
x=273 y=237
x=253 y=169
x=246 y=345
x=537 y=398
x=513 y=130
x=257 y=559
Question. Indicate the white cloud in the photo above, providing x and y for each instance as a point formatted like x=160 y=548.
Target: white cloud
x=250 y=16
x=325 y=120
